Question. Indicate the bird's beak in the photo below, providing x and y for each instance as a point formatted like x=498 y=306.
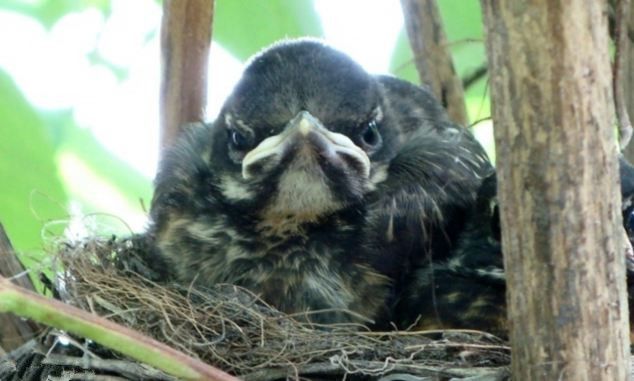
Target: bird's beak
x=304 y=130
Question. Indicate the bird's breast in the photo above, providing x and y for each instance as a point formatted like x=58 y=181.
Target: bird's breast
x=308 y=273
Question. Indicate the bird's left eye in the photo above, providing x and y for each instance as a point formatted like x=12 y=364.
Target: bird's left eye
x=370 y=134
x=238 y=140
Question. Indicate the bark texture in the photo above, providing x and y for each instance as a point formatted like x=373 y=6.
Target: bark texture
x=14 y=331
x=558 y=188
x=185 y=42
x=433 y=60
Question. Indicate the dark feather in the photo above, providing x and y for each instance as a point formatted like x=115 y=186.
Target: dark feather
x=468 y=289
x=302 y=220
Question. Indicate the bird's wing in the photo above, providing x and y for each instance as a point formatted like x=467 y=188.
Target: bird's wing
x=417 y=212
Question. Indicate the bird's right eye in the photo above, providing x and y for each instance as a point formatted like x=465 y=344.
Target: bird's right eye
x=370 y=135
x=238 y=141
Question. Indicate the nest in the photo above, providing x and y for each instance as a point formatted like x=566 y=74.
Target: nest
x=232 y=329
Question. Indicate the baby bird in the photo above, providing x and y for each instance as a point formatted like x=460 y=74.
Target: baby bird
x=318 y=187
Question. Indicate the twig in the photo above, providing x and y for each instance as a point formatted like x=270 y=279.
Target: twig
x=84 y=376
x=10 y=265
x=9 y=361
x=185 y=42
x=375 y=368
x=621 y=41
x=14 y=331
x=432 y=332
x=24 y=349
x=120 y=366
x=6 y=367
x=432 y=57
x=474 y=76
x=478 y=121
x=59 y=315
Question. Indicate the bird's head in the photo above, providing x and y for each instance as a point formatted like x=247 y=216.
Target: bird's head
x=302 y=132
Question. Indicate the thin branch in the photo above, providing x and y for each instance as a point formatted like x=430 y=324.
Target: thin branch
x=433 y=60
x=127 y=368
x=473 y=77
x=376 y=368
x=84 y=376
x=14 y=331
x=124 y=340
x=185 y=42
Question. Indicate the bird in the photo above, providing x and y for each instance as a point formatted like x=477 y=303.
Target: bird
x=467 y=290
x=319 y=187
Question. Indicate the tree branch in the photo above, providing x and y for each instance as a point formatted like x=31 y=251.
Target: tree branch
x=433 y=60
x=14 y=331
x=127 y=368
x=473 y=77
x=29 y=305
x=185 y=42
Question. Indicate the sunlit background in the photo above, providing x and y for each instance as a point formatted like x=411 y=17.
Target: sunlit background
x=79 y=87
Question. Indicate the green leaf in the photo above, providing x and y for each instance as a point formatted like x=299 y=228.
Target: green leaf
x=31 y=193
x=244 y=27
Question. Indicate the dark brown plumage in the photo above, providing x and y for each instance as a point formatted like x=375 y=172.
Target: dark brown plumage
x=468 y=289
x=319 y=187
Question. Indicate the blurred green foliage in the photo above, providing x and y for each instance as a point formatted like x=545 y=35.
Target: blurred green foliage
x=33 y=142
x=284 y=18
x=31 y=192
x=463 y=26
x=49 y=11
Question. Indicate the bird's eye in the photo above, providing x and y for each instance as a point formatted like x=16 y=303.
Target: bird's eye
x=238 y=140
x=370 y=135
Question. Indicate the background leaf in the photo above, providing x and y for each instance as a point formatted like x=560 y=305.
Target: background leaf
x=52 y=163
x=462 y=20
x=244 y=27
x=49 y=11
x=30 y=187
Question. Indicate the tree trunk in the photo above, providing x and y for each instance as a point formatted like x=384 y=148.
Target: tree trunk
x=185 y=42
x=433 y=60
x=558 y=188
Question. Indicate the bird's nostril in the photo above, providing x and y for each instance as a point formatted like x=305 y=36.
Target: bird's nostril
x=259 y=166
x=354 y=163
x=252 y=169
